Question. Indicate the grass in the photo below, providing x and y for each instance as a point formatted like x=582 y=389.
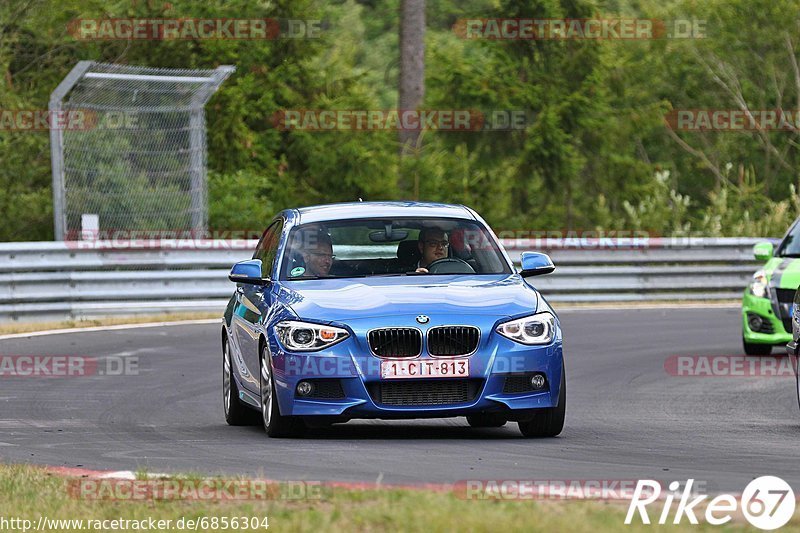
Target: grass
x=28 y=327
x=28 y=492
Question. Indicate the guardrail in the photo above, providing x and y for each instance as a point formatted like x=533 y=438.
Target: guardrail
x=57 y=280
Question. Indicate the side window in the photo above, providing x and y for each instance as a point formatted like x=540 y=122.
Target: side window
x=267 y=247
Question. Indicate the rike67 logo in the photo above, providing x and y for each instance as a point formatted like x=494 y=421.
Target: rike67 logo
x=767 y=502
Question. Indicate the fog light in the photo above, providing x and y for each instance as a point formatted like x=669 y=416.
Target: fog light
x=755 y=322
x=304 y=388
x=537 y=381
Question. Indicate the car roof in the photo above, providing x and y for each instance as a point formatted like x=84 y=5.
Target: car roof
x=353 y=210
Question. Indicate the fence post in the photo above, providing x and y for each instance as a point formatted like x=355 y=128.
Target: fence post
x=57 y=146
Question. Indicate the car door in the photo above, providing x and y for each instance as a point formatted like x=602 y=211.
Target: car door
x=253 y=303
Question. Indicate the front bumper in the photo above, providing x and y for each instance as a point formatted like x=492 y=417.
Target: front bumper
x=359 y=375
x=763 y=308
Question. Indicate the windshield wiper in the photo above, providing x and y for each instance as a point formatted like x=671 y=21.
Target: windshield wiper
x=350 y=276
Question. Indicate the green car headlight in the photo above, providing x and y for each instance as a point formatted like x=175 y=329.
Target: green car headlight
x=759 y=287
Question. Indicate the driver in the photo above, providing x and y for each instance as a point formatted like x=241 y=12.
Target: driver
x=433 y=244
x=317 y=253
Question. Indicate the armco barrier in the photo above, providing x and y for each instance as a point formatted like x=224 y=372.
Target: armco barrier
x=57 y=280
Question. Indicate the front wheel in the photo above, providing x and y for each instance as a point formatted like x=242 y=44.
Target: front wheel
x=756 y=349
x=549 y=422
x=275 y=424
x=236 y=414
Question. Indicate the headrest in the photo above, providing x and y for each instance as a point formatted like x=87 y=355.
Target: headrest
x=408 y=252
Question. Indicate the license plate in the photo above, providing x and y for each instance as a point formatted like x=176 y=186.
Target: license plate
x=398 y=369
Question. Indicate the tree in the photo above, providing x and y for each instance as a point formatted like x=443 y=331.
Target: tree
x=412 y=71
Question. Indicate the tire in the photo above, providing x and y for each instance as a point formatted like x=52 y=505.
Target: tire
x=797 y=386
x=486 y=421
x=756 y=349
x=275 y=424
x=236 y=413
x=549 y=422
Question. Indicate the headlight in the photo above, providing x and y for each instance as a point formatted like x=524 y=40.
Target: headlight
x=534 y=329
x=306 y=337
x=759 y=287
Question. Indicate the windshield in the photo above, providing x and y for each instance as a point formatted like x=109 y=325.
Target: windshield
x=790 y=247
x=390 y=247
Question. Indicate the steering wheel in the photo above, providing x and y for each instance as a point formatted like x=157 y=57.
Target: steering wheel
x=450 y=265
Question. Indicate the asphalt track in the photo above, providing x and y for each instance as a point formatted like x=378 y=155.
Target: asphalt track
x=627 y=417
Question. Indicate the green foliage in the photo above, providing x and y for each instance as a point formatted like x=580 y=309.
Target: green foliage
x=744 y=209
x=664 y=210
x=731 y=209
x=594 y=153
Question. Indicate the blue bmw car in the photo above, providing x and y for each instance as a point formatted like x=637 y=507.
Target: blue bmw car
x=389 y=310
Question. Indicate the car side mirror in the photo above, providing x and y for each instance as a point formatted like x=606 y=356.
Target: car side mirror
x=763 y=251
x=248 y=272
x=536 y=264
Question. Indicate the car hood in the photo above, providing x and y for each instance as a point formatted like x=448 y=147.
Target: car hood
x=784 y=272
x=355 y=298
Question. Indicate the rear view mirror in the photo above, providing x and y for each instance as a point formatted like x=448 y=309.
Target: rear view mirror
x=389 y=234
x=763 y=251
x=394 y=236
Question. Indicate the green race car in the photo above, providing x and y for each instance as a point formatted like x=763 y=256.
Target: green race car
x=767 y=302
